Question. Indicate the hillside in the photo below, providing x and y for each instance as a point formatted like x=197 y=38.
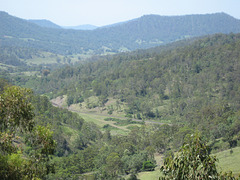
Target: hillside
x=44 y=23
x=154 y=85
x=144 y=32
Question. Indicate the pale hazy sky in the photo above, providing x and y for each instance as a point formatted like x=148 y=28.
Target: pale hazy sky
x=104 y=12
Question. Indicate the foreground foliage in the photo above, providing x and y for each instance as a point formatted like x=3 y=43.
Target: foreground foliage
x=16 y=114
x=192 y=161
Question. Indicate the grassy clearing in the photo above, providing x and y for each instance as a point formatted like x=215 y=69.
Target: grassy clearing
x=229 y=161
x=149 y=175
x=91 y=104
x=99 y=120
x=94 y=118
x=113 y=109
x=116 y=108
x=130 y=127
x=42 y=58
x=122 y=122
x=93 y=115
x=30 y=73
x=51 y=58
x=6 y=66
x=116 y=122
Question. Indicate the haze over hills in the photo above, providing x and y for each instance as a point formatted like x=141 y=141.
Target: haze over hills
x=49 y=24
x=81 y=27
x=44 y=23
x=144 y=32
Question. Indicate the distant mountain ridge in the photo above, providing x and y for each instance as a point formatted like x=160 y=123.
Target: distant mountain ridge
x=144 y=32
x=49 y=24
x=81 y=27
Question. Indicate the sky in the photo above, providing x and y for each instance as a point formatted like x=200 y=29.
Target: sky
x=105 y=12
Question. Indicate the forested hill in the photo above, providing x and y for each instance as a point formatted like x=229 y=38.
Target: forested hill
x=162 y=85
x=144 y=32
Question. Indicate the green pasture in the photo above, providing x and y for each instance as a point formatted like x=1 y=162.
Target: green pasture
x=229 y=161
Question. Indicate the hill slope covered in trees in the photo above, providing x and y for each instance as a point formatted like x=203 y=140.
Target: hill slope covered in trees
x=155 y=85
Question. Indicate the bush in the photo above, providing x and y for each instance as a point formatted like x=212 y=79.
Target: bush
x=148 y=166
